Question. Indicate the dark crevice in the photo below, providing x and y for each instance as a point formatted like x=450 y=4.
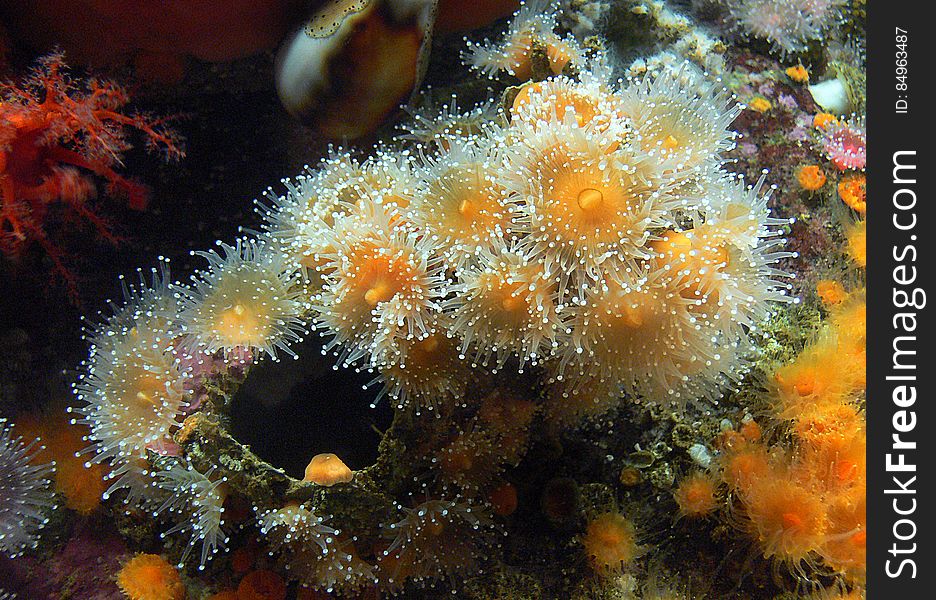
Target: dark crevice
x=291 y=410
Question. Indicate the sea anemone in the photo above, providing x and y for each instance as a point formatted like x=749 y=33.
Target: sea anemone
x=832 y=442
x=641 y=335
x=133 y=389
x=593 y=208
x=134 y=395
x=810 y=177
x=589 y=103
x=470 y=460
x=505 y=303
x=26 y=496
x=744 y=464
x=532 y=26
x=294 y=222
x=315 y=554
x=827 y=372
x=589 y=394
x=853 y=190
x=846 y=549
x=797 y=73
x=788 y=520
x=427 y=372
x=435 y=539
x=198 y=503
x=383 y=284
x=81 y=484
x=246 y=299
x=442 y=127
x=845 y=143
x=726 y=265
x=150 y=577
x=136 y=477
x=460 y=201
x=830 y=292
x=682 y=119
x=586 y=202
x=508 y=418
x=857 y=242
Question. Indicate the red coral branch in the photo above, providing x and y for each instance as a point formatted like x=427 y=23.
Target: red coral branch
x=56 y=136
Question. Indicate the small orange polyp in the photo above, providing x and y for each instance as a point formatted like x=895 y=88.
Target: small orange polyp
x=327 y=469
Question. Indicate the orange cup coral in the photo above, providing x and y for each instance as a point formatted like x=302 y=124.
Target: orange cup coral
x=811 y=178
x=697 y=495
x=150 y=577
x=611 y=543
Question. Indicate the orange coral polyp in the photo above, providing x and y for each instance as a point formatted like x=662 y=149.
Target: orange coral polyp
x=745 y=465
x=150 y=577
x=845 y=549
x=825 y=373
x=798 y=73
x=822 y=119
x=760 y=104
x=697 y=495
x=851 y=318
x=852 y=189
x=857 y=242
x=787 y=520
x=811 y=177
x=611 y=543
x=831 y=292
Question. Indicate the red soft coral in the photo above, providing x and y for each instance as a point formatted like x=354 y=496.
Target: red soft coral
x=56 y=134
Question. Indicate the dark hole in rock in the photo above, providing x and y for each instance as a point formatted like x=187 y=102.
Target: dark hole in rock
x=289 y=411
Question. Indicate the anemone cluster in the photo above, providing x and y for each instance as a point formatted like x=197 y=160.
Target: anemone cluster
x=591 y=231
x=586 y=231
